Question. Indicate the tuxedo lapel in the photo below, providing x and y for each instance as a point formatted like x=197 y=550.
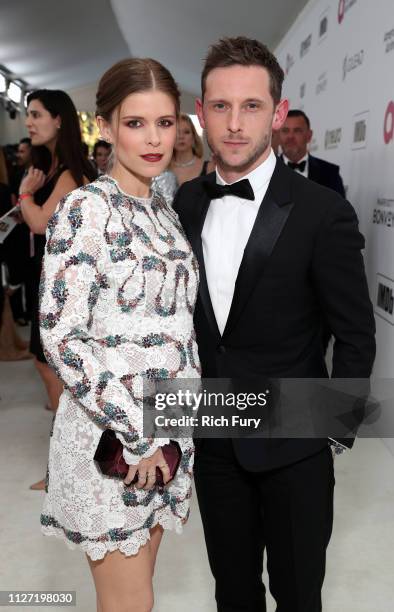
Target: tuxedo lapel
x=270 y=221
x=196 y=227
x=314 y=169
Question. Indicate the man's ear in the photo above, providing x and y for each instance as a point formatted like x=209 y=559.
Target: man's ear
x=280 y=114
x=310 y=134
x=199 y=112
x=104 y=129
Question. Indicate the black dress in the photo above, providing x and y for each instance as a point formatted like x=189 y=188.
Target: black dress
x=40 y=197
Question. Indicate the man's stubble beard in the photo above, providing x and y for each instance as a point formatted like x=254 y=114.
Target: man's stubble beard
x=260 y=148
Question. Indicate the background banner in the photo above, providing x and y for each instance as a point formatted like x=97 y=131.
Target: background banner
x=339 y=63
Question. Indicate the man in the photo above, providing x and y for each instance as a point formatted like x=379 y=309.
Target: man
x=18 y=243
x=101 y=152
x=23 y=163
x=295 y=135
x=24 y=153
x=271 y=265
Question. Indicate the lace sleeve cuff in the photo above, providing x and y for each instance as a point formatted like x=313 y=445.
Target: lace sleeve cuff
x=133 y=459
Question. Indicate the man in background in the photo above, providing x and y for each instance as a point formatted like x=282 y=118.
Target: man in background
x=18 y=243
x=24 y=153
x=101 y=153
x=23 y=162
x=295 y=135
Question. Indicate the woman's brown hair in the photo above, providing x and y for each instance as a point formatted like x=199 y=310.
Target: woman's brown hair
x=130 y=76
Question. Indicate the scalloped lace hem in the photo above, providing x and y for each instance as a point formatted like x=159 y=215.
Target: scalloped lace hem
x=129 y=546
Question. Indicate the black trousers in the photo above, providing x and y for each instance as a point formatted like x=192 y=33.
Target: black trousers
x=288 y=512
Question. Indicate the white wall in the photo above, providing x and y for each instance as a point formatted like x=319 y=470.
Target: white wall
x=339 y=59
x=339 y=64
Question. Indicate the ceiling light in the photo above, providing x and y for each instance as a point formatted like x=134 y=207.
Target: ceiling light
x=3 y=83
x=14 y=92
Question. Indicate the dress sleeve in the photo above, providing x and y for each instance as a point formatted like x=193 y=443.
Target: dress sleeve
x=74 y=280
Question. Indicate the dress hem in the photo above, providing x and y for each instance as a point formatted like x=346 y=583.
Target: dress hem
x=129 y=546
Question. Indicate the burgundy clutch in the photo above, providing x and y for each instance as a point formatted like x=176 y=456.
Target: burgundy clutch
x=109 y=458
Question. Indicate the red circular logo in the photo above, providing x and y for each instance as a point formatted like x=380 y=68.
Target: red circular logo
x=341 y=10
x=388 y=127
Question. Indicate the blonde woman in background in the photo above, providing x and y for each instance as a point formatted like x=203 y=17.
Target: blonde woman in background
x=187 y=161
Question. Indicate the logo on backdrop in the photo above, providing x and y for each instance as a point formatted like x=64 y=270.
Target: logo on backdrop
x=314 y=146
x=388 y=126
x=389 y=40
x=289 y=62
x=323 y=26
x=305 y=45
x=352 y=62
x=322 y=83
x=302 y=90
x=333 y=138
x=383 y=213
x=384 y=301
x=343 y=7
x=360 y=121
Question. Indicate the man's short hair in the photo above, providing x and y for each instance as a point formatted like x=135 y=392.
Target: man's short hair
x=25 y=141
x=299 y=113
x=244 y=51
x=101 y=143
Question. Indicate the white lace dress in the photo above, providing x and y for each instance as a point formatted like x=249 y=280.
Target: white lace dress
x=118 y=290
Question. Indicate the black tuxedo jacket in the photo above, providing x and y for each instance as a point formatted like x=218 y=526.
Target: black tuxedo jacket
x=325 y=173
x=302 y=265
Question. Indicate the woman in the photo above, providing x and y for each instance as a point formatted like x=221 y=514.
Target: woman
x=118 y=293
x=187 y=162
x=59 y=166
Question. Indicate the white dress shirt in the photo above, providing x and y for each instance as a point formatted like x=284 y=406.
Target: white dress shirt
x=226 y=231
x=305 y=159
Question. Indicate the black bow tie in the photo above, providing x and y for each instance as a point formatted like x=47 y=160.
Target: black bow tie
x=300 y=166
x=241 y=189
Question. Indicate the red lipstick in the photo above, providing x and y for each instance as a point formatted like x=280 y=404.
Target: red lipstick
x=152 y=157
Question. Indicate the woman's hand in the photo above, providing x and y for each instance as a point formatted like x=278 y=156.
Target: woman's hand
x=33 y=181
x=146 y=469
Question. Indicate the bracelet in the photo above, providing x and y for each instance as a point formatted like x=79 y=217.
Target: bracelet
x=23 y=196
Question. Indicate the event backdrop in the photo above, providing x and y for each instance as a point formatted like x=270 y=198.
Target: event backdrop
x=339 y=63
